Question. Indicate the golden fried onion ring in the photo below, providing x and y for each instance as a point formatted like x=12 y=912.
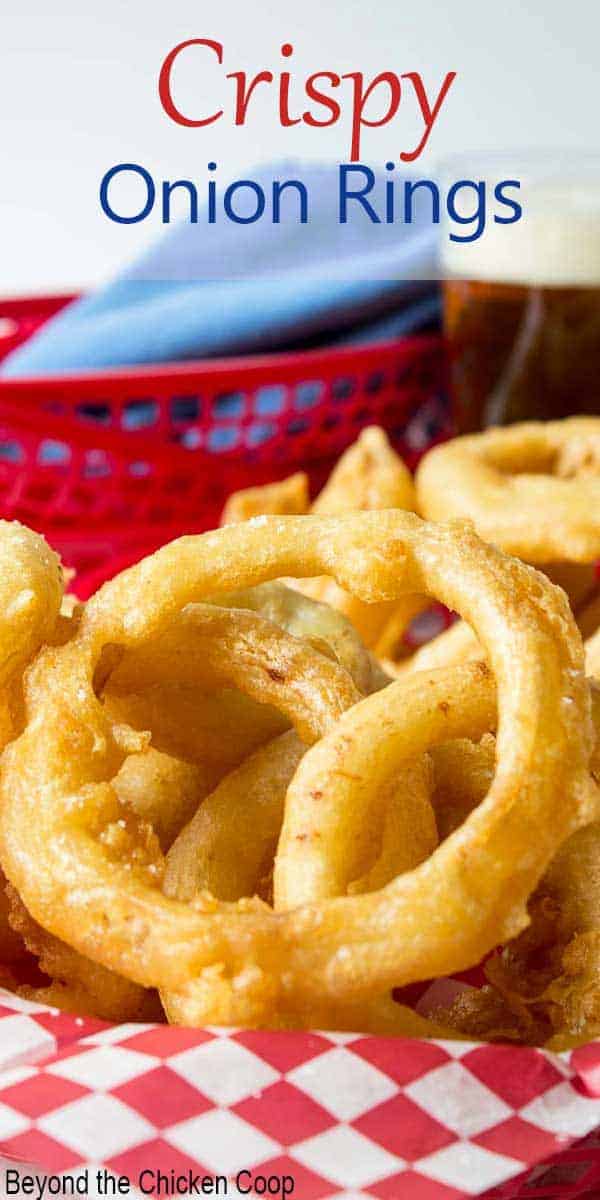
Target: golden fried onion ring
x=442 y=916
x=327 y=629
x=218 y=728
x=529 y=488
x=544 y=984
x=31 y=590
x=235 y=646
x=100 y=992
x=228 y=849
x=330 y=800
x=31 y=593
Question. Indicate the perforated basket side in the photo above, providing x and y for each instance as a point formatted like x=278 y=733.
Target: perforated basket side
x=275 y=407
x=115 y=458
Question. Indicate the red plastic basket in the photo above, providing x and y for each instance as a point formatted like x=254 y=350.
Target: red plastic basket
x=109 y=465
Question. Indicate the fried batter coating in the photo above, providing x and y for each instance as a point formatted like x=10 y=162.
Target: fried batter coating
x=77 y=984
x=544 y=987
x=532 y=488
x=58 y=800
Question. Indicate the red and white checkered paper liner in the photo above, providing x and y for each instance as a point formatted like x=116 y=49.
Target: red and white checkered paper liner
x=347 y=1116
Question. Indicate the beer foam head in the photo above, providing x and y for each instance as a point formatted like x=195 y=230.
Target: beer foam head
x=556 y=242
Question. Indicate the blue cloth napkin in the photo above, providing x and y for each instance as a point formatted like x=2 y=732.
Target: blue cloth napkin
x=224 y=289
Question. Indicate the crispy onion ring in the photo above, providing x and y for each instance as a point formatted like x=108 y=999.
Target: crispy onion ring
x=544 y=984
x=327 y=629
x=229 y=845
x=443 y=916
x=228 y=849
x=218 y=728
x=234 y=646
x=101 y=992
x=31 y=591
x=330 y=800
x=533 y=489
x=368 y=476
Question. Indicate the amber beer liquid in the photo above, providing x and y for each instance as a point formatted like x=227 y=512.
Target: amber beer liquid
x=522 y=313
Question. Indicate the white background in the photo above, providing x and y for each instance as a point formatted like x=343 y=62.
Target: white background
x=78 y=94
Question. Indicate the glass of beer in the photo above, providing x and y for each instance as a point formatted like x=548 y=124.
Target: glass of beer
x=522 y=302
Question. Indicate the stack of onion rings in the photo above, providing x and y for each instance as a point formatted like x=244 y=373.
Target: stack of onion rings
x=212 y=792
x=469 y=895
